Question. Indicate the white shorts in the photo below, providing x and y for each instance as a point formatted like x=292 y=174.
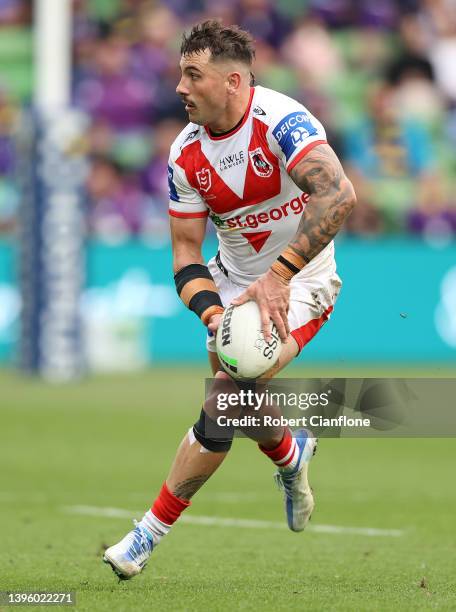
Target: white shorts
x=312 y=300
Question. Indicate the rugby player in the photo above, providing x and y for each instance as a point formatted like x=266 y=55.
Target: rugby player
x=257 y=163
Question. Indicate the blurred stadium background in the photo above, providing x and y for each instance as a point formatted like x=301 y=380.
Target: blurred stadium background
x=86 y=287
x=380 y=75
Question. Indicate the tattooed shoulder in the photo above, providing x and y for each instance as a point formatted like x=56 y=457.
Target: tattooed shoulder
x=319 y=172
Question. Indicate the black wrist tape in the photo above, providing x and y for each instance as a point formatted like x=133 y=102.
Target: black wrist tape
x=288 y=264
x=198 y=299
x=202 y=300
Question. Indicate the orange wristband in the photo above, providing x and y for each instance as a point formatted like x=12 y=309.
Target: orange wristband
x=288 y=264
x=212 y=310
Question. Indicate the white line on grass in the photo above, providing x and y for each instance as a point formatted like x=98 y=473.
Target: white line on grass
x=235 y=522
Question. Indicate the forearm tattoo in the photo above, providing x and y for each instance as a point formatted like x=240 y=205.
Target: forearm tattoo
x=187 y=488
x=332 y=199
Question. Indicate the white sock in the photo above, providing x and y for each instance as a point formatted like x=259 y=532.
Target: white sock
x=154 y=527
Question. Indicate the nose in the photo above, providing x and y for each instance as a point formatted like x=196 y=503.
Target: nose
x=181 y=89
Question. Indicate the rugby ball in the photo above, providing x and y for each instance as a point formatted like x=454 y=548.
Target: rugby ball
x=241 y=347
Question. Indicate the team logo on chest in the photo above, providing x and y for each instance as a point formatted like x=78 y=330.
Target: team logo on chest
x=260 y=164
x=204 y=179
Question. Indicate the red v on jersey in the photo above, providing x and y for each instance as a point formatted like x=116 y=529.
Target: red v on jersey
x=262 y=178
x=257 y=239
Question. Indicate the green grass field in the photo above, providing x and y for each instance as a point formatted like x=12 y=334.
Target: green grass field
x=107 y=443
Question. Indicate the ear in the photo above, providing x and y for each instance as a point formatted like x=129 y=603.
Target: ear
x=234 y=82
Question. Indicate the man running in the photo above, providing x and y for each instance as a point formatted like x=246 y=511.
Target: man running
x=257 y=163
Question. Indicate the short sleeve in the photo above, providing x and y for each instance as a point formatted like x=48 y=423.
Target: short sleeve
x=184 y=201
x=294 y=134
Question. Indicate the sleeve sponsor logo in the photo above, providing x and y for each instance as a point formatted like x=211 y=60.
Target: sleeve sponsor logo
x=292 y=131
x=171 y=186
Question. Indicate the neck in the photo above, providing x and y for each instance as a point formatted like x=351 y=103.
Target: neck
x=232 y=115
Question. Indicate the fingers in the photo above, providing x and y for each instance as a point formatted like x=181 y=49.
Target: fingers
x=273 y=302
x=280 y=319
x=214 y=322
x=241 y=299
x=284 y=315
x=222 y=375
x=281 y=322
x=265 y=322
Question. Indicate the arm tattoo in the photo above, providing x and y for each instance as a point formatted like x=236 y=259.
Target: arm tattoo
x=187 y=488
x=332 y=199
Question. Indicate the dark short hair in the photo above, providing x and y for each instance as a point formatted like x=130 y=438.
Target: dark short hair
x=224 y=42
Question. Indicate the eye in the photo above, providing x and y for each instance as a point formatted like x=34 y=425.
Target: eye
x=194 y=76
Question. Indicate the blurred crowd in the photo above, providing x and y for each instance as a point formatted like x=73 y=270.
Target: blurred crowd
x=379 y=74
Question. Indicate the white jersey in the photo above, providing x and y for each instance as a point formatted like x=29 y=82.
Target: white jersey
x=241 y=181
